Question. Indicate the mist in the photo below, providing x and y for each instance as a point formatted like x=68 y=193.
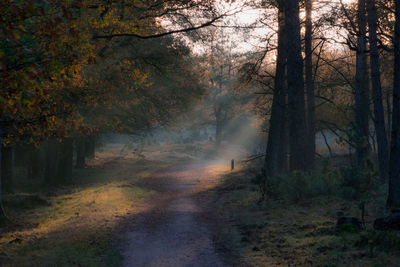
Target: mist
x=200 y=133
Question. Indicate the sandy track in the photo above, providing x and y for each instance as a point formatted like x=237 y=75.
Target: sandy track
x=170 y=234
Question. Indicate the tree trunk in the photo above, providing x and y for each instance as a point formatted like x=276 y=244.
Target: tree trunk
x=383 y=147
x=90 y=147
x=361 y=90
x=3 y=217
x=284 y=144
x=276 y=126
x=51 y=162
x=7 y=167
x=388 y=116
x=37 y=165
x=394 y=165
x=65 y=164
x=218 y=127
x=311 y=121
x=34 y=162
x=80 y=153
x=218 y=110
x=295 y=79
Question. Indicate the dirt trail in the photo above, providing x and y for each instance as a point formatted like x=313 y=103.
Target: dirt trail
x=170 y=233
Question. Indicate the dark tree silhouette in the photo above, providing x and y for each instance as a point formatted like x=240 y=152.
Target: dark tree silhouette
x=311 y=120
x=361 y=89
x=277 y=119
x=295 y=79
x=394 y=168
x=379 y=120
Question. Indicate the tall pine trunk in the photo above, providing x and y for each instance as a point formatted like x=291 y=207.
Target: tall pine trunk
x=388 y=116
x=3 y=217
x=283 y=164
x=65 y=160
x=394 y=165
x=80 y=153
x=361 y=90
x=311 y=120
x=295 y=79
x=383 y=148
x=218 y=126
x=7 y=167
x=90 y=146
x=276 y=126
x=218 y=110
x=51 y=162
x=36 y=163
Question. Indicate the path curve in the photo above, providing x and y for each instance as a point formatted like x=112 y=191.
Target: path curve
x=171 y=234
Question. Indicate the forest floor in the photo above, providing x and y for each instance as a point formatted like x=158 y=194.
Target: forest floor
x=176 y=206
x=281 y=232
x=76 y=225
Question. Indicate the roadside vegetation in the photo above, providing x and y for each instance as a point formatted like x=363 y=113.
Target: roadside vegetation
x=306 y=92
x=76 y=224
x=296 y=224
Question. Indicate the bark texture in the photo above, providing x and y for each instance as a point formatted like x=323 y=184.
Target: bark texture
x=90 y=147
x=35 y=162
x=65 y=164
x=311 y=120
x=278 y=103
x=51 y=162
x=7 y=167
x=80 y=153
x=361 y=89
x=394 y=168
x=379 y=120
x=3 y=217
x=283 y=164
x=218 y=125
x=295 y=79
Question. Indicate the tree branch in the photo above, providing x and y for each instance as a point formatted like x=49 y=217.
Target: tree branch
x=157 y=35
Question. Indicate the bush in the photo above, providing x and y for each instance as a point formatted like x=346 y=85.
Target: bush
x=355 y=183
x=347 y=182
x=348 y=193
x=300 y=186
x=351 y=177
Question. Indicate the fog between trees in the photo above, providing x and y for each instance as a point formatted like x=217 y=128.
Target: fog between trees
x=303 y=83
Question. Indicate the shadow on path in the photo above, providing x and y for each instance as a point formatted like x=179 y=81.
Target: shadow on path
x=170 y=233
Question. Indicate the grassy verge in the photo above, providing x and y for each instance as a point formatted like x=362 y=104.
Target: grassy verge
x=287 y=232
x=75 y=225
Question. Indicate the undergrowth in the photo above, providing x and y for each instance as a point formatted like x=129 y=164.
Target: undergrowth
x=76 y=224
x=346 y=182
x=296 y=224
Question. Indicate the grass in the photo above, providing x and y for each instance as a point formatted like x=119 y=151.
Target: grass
x=75 y=225
x=283 y=232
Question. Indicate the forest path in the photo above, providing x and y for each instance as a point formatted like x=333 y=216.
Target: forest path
x=172 y=233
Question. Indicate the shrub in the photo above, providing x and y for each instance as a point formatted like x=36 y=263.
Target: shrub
x=299 y=186
x=348 y=193
x=347 y=182
x=355 y=183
